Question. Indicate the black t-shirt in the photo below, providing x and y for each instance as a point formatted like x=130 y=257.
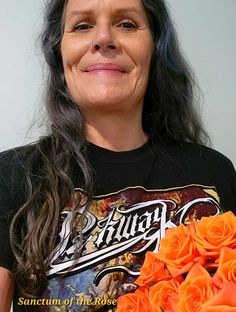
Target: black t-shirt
x=137 y=195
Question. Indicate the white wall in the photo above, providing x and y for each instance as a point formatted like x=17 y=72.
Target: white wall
x=20 y=69
x=207 y=30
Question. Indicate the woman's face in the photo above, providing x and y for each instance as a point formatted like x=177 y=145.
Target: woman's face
x=106 y=50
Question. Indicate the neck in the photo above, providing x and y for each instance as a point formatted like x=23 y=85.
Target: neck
x=116 y=133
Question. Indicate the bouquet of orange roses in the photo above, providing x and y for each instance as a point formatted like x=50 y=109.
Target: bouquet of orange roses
x=194 y=270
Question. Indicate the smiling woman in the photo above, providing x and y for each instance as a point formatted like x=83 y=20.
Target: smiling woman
x=124 y=159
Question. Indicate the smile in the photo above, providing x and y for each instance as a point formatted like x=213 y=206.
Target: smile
x=105 y=69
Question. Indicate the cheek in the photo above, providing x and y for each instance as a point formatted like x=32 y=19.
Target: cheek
x=141 y=54
x=146 y=54
x=72 y=51
x=143 y=67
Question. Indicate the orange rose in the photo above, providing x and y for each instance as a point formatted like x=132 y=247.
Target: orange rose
x=177 y=250
x=195 y=290
x=223 y=301
x=152 y=271
x=226 y=271
x=164 y=296
x=213 y=233
x=134 y=302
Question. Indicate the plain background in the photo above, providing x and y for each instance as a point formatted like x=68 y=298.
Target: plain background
x=207 y=32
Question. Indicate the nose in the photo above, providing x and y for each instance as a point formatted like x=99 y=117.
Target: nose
x=104 y=38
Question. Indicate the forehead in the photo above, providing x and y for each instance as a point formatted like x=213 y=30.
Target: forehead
x=99 y=5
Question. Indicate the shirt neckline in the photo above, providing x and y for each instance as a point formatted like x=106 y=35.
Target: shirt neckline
x=105 y=155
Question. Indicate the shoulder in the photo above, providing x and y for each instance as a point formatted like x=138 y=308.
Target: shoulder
x=196 y=154
x=16 y=159
x=13 y=168
x=206 y=165
x=8 y=157
x=13 y=160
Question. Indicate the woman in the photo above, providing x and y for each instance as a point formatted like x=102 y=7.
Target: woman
x=123 y=161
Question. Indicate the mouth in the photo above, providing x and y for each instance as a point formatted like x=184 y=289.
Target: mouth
x=105 y=69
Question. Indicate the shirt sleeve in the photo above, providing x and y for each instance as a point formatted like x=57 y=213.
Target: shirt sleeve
x=9 y=203
x=226 y=181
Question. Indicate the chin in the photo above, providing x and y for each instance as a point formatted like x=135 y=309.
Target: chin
x=103 y=97
x=107 y=104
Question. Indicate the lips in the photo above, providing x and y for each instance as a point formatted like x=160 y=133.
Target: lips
x=105 y=67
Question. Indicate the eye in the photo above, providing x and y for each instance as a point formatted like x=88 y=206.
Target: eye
x=127 y=24
x=82 y=27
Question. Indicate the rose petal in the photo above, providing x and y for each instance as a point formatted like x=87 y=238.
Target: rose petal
x=164 y=296
x=195 y=290
x=152 y=271
x=134 y=302
x=224 y=298
x=226 y=271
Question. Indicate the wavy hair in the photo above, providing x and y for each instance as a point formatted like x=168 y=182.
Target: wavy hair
x=168 y=114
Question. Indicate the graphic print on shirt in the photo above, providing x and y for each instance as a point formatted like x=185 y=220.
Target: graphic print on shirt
x=119 y=229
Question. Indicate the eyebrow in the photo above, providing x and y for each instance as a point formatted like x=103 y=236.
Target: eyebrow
x=76 y=12
x=119 y=11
